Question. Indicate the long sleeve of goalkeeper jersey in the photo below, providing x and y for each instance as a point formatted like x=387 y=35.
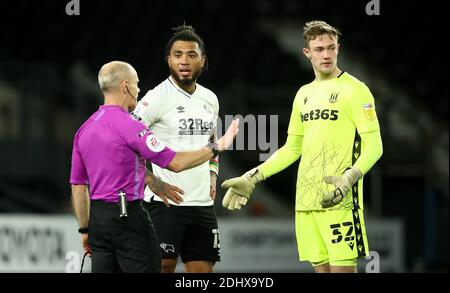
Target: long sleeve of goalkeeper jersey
x=283 y=157
x=371 y=151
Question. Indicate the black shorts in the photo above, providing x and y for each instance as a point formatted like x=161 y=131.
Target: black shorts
x=127 y=244
x=188 y=231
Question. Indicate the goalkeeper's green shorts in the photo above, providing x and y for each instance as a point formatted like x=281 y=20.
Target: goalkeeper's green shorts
x=334 y=237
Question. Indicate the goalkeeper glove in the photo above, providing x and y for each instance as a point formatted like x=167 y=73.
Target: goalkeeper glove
x=240 y=189
x=343 y=185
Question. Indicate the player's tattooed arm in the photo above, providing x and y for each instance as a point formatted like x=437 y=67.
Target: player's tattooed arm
x=162 y=189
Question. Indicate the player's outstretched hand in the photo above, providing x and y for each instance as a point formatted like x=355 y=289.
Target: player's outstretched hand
x=227 y=139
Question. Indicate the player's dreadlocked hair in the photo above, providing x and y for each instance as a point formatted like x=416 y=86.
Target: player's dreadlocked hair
x=186 y=33
x=316 y=28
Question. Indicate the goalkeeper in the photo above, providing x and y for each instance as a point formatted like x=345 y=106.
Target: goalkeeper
x=335 y=130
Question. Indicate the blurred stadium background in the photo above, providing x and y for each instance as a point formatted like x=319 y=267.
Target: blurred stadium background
x=48 y=67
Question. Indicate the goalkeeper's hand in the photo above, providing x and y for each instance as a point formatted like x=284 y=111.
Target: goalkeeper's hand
x=343 y=185
x=240 y=189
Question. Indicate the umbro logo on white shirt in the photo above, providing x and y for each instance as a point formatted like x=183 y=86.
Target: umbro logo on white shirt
x=180 y=109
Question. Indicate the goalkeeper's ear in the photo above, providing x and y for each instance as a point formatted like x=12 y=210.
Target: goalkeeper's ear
x=229 y=183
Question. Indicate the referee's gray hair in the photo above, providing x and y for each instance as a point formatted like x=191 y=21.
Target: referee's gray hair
x=112 y=74
x=315 y=28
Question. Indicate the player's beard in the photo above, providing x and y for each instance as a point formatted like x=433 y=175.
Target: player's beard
x=185 y=81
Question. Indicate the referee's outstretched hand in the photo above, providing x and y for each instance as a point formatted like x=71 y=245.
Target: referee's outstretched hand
x=227 y=139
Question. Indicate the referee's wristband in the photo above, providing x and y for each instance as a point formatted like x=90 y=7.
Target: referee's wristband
x=83 y=230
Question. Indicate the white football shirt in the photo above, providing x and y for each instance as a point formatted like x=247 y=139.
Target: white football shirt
x=184 y=122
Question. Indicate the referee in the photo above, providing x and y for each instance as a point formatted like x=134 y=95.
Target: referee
x=107 y=176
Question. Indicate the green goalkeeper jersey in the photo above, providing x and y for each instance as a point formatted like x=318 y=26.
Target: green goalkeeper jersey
x=330 y=115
